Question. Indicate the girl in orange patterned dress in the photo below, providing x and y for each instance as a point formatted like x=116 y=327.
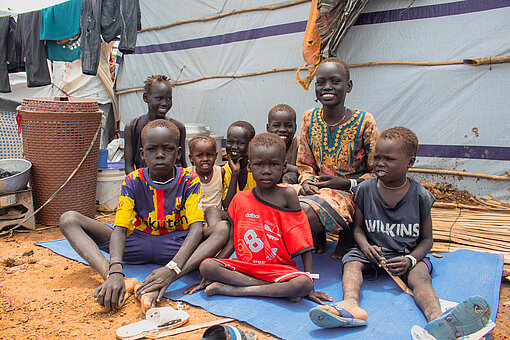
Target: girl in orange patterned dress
x=335 y=154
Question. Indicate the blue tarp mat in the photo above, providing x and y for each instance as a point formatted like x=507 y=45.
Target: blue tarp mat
x=391 y=312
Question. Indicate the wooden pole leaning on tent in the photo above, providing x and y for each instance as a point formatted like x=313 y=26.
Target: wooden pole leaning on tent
x=226 y=14
x=459 y=173
x=472 y=61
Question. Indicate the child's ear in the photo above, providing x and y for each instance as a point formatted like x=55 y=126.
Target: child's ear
x=248 y=167
x=411 y=162
x=190 y=159
x=145 y=97
x=178 y=153
x=349 y=86
x=267 y=127
x=284 y=166
x=142 y=154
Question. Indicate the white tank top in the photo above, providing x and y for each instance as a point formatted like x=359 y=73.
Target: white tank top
x=212 y=191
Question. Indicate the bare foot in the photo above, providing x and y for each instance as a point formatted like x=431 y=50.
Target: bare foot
x=130 y=284
x=319 y=249
x=351 y=307
x=146 y=300
x=215 y=288
x=294 y=299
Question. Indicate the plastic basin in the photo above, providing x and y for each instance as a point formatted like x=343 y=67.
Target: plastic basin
x=16 y=182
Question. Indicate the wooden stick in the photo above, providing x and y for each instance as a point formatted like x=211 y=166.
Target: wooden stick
x=219 y=76
x=222 y=15
x=459 y=173
x=294 y=69
x=180 y=330
x=399 y=282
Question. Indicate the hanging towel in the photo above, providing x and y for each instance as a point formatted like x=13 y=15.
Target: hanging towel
x=60 y=29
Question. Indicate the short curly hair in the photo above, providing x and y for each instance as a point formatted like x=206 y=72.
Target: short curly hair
x=268 y=139
x=340 y=62
x=193 y=141
x=405 y=135
x=279 y=108
x=244 y=125
x=157 y=78
x=163 y=123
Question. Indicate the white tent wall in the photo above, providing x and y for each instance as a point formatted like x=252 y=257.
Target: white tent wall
x=459 y=112
x=219 y=102
x=449 y=107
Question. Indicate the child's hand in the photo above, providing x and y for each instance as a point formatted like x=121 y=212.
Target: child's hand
x=307 y=188
x=158 y=280
x=111 y=293
x=398 y=265
x=333 y=182
x=318 y=296
x=235 y=166
x=374 y=254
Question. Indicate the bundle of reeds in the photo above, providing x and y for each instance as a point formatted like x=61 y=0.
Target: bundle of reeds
x=483 y=228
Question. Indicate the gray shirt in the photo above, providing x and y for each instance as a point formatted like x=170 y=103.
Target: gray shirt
x=393 y=229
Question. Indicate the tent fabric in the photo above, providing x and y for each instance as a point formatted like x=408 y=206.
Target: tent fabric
x=448 y=107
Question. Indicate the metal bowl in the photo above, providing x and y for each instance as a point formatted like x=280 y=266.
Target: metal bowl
x=18 y=181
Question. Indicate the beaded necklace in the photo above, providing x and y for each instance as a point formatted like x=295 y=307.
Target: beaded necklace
x=337 y=132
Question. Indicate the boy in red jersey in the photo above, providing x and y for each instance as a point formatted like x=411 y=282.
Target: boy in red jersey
x=269 y=230
x=159 y=219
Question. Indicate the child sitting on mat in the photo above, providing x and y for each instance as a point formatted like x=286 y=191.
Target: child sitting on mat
x=269 y=230
x=159 y=219
x=393 y=228
x=158 y=96
x=282 y=121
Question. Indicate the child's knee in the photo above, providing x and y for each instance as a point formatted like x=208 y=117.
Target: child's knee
x=68 y=219
x=207 y=267
x=223 y=230
x=419 y=279
x=302 y=286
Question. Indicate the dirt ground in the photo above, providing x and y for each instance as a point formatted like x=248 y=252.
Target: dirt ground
x=46 y=296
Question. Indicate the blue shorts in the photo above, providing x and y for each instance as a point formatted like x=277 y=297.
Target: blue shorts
x=355 y=254
x=146 y=248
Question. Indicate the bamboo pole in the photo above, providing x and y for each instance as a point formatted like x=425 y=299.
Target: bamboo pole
x=226 y=14
x=459 y=173
x=294 y=69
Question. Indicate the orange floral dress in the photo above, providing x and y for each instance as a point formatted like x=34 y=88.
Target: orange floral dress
x=348 y=152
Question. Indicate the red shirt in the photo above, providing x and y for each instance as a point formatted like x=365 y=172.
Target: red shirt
x=265 y=233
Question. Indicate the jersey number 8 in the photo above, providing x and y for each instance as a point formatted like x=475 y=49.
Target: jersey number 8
x=254 y=243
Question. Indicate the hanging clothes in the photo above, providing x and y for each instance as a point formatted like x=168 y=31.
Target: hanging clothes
x=28 y=30
x=109 y=19
x=60 y=29
x=4 y=75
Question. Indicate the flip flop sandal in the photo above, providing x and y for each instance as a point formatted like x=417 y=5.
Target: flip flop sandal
x=469 y=316
x=226 y=332
x=156 y=319
x=325 y=319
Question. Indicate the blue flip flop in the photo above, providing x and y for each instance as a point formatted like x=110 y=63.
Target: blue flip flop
x=468 y=317
x=326 y=319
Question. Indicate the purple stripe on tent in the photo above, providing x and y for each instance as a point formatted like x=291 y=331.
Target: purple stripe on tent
x=413 y=13
x=269 y=31
x=431 y=11
x=465 y=151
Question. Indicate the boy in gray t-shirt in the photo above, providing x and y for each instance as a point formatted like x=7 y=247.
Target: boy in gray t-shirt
x=393 y=228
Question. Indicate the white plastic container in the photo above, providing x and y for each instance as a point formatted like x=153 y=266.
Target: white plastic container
x=109 y=182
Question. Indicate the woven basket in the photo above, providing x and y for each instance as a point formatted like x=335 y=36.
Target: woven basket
x=56 y=135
